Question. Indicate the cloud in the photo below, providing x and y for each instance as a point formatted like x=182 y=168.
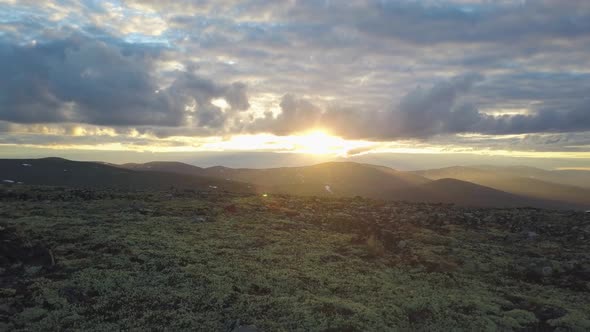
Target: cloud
x=297 y=115
x=446 y=107
x=370 y=69
x=441 y=22
x=426 y=112
x=544 y=120
x=83 y=80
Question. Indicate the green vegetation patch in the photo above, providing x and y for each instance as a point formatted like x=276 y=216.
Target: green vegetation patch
x=192 y=261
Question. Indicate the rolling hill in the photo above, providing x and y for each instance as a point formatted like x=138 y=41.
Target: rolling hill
x=465 y=193
x=334 y=178
x=459 y=185
x=352 y=179
x=577 y=178
x=525 y=181
x=62 y=172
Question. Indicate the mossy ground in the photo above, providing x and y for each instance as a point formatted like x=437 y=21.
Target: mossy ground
x=104 y=260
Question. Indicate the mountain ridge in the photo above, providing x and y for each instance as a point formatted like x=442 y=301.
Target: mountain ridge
x=505 y=179
x=406 y=187
x=343 y=179
x=63 y=172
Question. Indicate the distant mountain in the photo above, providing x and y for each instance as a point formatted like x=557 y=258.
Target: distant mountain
x=460 y=185
x=524 y=181
x=470 y=194
x=62 y=172
x=578 y=178
x=333 y=178
x=352 y=179
x=165 y=166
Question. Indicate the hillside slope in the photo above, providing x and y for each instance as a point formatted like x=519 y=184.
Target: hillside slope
x=354 y=179
x=470 y=194
x=62 y=172
x=333 y=178
x=514 y=182
x=577 y=178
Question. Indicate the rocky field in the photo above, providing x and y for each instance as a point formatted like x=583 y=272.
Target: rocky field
x=105 y=260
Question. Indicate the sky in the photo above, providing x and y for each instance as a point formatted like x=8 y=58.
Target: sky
x=255 y=83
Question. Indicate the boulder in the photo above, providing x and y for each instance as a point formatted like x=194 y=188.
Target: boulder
x=200 y=219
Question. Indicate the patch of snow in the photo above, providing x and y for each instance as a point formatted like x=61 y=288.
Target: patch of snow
x=27 y=165
x=213 y=187
x=65 y=170
x=7 y=181
x=328 y=189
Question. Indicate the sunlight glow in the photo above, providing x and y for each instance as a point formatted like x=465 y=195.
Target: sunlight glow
x=220 y=102
x=318 y=142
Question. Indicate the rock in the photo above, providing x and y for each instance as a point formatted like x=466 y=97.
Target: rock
x=546 y=312
x=532 y=235
x=402 y=244
x=7 y=292
x=342 y=216
x=236 y=326
x=419 y=316
x=232 y=208
x=290 y=212
x=570 y=265
x=200 y=219
x=388 y=238
x=536 y=272
x=245 y=328
x=32 y=270
x=5 y=308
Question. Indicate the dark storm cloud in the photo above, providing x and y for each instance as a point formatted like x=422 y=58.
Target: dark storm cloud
x=297 y=114
x=426 y=112
x=543 y=120
x=424 y=22
x=421 y=113
x=83 y=80
x=444 y=108
x=448 y=108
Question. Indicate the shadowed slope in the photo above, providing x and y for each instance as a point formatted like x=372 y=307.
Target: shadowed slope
x=62 y=172
x=578 y=178
x=509 y=180
x=352 y=179
x=468 y=194
x=333 y=178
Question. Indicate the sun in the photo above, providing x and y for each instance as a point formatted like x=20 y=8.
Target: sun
x=313 y=142
x=318 y=142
